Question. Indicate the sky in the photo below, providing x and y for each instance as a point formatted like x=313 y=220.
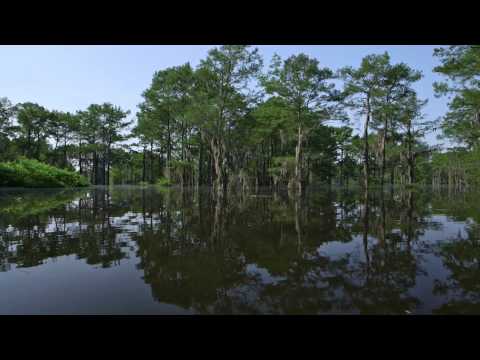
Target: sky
x=71 y=77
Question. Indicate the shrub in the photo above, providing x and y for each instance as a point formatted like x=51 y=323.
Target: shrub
x=32 y=173
x=163 y=182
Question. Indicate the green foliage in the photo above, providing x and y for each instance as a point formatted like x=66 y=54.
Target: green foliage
x=163 y=182
x=304 y=88
x=32 y=173
x=460 y=64
x=322 y=154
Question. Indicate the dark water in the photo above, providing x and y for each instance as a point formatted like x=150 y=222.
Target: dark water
x=132 y=250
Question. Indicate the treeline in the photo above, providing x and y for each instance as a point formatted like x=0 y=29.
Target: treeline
x=84 y=141
x=227 y=122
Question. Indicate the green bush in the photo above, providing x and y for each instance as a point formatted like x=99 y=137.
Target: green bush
x=32 y=173
x=163 y=182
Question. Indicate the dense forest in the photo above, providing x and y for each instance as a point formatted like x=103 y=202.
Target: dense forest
x=230 y=123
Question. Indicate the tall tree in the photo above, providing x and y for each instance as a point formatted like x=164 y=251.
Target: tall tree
x=362 y=89
x=412 y=121
x=163 y=115
x=61 y=129
x=460 y=64
x=396 y=84
x=222 y=97
x=305 y=89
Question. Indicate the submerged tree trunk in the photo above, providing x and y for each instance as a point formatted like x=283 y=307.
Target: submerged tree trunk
x=366 y=214
x=100 y=180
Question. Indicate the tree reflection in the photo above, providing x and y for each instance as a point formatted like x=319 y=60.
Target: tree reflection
x=59 y=224
x=329 y=251
x=461 y=256
x=264 y=256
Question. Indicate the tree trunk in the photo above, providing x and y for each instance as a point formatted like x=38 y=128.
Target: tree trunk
x=218 y=148
x=95 y=168
x=366 y=169
x=200 y=165
x=160 y=163
x=107 y=174
x=366 y=228
x=80 y=160
x=299 y=160
x=169 y=150
x=65 y=160
x=411 y=157
x=384 y=145
x=151 y=162
x=144 y=165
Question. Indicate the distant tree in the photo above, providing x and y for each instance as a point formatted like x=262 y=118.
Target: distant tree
x=7 y=112
x=101 y=126
x=33 y=120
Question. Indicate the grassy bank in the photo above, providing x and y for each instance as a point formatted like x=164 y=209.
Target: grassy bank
x=34 y=174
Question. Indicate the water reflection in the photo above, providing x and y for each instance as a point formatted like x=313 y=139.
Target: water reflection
x=332 y=251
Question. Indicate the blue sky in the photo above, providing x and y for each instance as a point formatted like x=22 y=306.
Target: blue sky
x=70 y=78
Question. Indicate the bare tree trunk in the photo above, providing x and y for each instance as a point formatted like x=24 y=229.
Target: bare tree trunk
x=151 y=162
x=218 y=147
x=411 y=157
x=107 y=174
x=299 y=160
x=384 y=145
x=65 y=160
x=144 y=174
x=95 y=168
x=80 y=160
x=169 y=151
x=200 y=164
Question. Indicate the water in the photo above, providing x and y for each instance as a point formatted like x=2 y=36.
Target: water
x=133 y=250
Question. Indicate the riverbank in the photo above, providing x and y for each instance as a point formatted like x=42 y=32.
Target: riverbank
x=34 y=174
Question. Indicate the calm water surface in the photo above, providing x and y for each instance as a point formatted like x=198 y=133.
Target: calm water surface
x=133 y=250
